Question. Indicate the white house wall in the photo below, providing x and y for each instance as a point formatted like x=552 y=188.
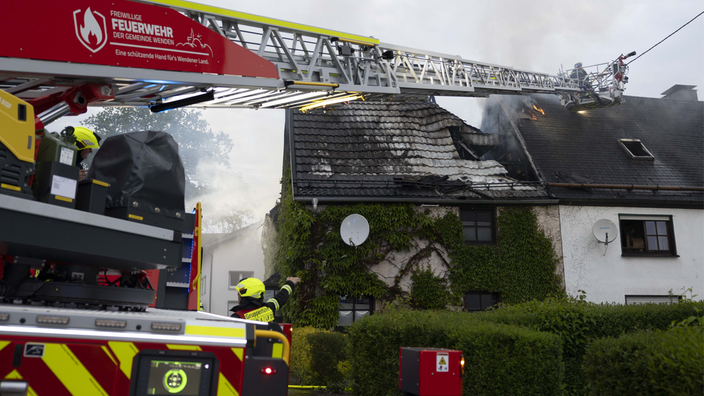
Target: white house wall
x=548 y=220
x=242 y=253
x=610 y=277
x=388 y=269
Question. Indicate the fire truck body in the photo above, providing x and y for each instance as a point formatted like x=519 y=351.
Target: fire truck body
x=79 y=352
x=113 y=346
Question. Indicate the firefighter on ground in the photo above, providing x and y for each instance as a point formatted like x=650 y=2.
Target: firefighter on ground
x=252 y=305
x=86 y=141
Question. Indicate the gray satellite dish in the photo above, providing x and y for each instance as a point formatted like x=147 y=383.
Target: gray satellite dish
x=605 y=231
x=354 y=230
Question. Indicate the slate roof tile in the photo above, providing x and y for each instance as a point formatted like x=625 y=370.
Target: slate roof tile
x=583 y=148
x=357 y=150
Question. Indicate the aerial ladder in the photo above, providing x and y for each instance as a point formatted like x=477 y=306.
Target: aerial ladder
x=62 y=334
x=226 y=59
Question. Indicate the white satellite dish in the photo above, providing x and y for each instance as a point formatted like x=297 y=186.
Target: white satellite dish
x=605 y=231
x=354 y=229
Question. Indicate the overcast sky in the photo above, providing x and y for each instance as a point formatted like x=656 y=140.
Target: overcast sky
x=532 y=35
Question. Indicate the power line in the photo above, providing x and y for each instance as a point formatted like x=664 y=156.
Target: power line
x=690 y=21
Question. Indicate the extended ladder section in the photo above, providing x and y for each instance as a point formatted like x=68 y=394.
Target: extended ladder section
x=313 y=67
x=306 y=55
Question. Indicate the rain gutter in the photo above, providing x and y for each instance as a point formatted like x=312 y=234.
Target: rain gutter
x=624 y=187
x=431 y=201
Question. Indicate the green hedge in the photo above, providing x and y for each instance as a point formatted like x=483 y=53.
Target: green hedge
x=578 y=323
x=375 y=340
x=500 y=359
x=647 y=363
x=299 y=368
x=319 y=357
x=328 y=358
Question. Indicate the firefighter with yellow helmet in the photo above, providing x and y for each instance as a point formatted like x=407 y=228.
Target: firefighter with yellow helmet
x=252 y=305
x=86 y=141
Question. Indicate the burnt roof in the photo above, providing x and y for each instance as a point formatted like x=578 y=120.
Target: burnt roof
x=392 y=151
x=583 y=148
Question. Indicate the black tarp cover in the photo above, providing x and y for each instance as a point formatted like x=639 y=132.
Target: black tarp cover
x=142 y=167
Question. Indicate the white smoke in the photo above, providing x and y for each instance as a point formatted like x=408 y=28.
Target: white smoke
x=230 y=199
x=252 y=182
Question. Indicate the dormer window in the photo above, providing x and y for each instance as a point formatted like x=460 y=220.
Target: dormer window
x=636 y=149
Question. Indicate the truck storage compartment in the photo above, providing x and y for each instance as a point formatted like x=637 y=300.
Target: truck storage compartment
x=146 y=178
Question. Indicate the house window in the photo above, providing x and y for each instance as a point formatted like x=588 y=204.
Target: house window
x=237 y=276
x=479 y=301
x=636 y=149
x=651 y=299
x=353 y=309
x=647 y=236
x=478 y=226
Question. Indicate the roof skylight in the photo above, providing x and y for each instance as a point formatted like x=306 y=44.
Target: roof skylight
x=636 y=149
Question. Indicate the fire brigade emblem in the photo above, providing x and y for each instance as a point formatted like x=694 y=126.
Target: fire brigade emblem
x=91 y=29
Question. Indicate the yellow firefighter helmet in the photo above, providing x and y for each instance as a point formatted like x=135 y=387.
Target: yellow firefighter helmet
x=250 y=287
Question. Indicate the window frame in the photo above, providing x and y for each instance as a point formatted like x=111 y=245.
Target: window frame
x=671 y=240
x=354 y=310
x=493 y=225
x=649 y=157
x=496 y=296
x=230 y=286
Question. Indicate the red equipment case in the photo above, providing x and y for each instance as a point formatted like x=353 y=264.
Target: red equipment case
x=430 y=371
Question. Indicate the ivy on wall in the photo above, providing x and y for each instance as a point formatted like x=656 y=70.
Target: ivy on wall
x=521 y=266
x=429 y=291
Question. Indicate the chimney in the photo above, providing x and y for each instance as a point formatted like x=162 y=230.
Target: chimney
x=681 y=92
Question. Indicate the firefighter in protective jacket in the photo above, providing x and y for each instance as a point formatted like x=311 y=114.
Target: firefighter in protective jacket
x=252 y=305
x=86 y=141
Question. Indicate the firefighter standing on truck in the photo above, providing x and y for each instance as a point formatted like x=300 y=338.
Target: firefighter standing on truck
x=86 y=141
x=252 y=305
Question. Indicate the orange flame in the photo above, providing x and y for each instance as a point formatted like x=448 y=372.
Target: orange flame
x=532 y=115
x=539 y=109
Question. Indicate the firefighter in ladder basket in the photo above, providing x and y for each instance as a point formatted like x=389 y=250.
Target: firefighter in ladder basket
x=252 y=305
